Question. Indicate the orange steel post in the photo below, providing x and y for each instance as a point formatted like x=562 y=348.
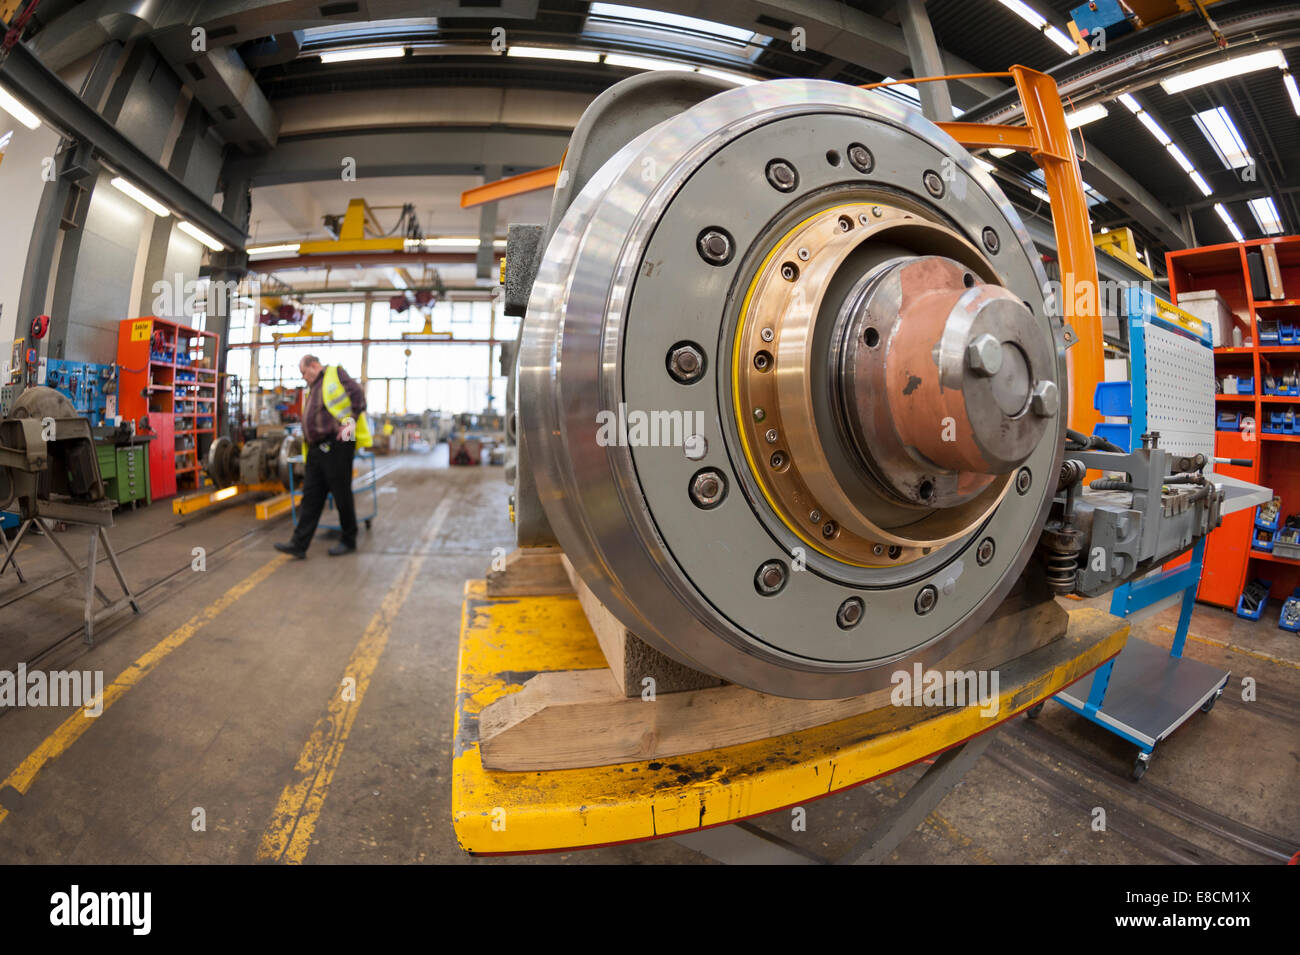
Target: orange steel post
x=1047 y=139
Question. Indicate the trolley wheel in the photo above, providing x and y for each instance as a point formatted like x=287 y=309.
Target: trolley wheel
x=1209 y=704
x=1034 y=711
x=367 y=523
x=1140 y=765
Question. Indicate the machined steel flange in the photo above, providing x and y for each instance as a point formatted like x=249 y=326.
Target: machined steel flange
x=793 y=414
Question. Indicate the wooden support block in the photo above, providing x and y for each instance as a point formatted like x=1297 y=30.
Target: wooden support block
x=583 y=718
x=530 y=572
x=632 y=661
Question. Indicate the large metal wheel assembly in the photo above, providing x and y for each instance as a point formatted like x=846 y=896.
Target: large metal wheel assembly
x=789 y=390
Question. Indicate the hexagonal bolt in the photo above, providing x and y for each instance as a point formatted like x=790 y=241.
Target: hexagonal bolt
x=815 y=517
x=933 y=183
x=1024 y=479
x=771 y=435
x=686 y=362
x=850 y=613
x=926 y=599
x=715 y=246
x=759 y=414
x=860 y=157
x=782 y=176
x=708 y=488
x=991 y=240
x=770 y=578
x=1045 y=400
x=984 y=355
x=984 y=552
x=767 y=334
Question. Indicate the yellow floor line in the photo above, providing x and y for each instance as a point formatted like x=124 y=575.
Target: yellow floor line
x=1222 y=645
x=58 y=742
x=288 y=836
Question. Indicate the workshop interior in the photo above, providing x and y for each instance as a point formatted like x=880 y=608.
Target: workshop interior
x=849 y=431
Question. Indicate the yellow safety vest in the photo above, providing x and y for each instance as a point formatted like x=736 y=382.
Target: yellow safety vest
x=338 y=404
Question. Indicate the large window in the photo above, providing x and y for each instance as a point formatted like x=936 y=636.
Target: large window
x=450 y=376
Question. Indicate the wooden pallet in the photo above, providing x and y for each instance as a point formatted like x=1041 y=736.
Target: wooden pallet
x=586 y=717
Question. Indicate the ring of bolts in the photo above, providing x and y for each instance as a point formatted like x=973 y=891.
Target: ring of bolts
x=686 y=364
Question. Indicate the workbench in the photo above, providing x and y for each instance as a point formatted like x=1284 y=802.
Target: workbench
x=504 y=641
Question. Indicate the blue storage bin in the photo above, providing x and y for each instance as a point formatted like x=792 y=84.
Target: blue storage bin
x=1226 y=421
x=1259 y=611
x=1117 y=434
x=1114 y=399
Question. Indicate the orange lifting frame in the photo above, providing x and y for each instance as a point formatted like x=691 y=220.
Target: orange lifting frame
x=1047 y=139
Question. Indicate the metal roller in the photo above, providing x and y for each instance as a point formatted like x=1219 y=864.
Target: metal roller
x=844 y=320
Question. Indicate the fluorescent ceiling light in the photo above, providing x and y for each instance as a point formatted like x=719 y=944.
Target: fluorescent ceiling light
x=1201 y=184
x=1089 y=114
x=153 y=205
x=1041 y=194
x=1039 y=23
x=1154 y=128
x=1000 y=152
x=366 y=53
x=1223 y=69
x=273 y=249
x=18 y=111
x=550 y=53
x=1060 y=39
x=1133 y=105
x=1222 y=133
x=1289 y=81
x=641 y=62
x=1265 y=213
x=195 y=232
x=1227 y=220
x=660 y=18
x=1181 y=158
x=1026 y=13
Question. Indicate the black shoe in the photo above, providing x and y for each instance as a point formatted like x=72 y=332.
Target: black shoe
x=291 y=550
x=338 y=550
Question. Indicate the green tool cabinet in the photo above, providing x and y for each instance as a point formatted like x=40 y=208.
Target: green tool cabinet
x=125 y=470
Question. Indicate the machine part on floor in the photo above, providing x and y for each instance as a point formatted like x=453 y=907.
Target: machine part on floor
x=47 y=453
x=259 y=460
x=841 y=346
x=49 y=466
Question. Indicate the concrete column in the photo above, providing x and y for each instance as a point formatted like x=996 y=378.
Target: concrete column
x=923 y=52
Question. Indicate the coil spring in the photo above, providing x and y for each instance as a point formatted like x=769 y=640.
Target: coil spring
x=1062 y=570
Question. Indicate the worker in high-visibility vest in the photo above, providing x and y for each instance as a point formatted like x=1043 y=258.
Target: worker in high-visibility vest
x=333 y=429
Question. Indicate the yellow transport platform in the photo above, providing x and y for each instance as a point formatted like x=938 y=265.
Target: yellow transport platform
x=506 y=640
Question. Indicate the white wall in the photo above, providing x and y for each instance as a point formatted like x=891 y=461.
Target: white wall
x=21 y=185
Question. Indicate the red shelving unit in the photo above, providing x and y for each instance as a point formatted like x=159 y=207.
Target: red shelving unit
x=1275 y=458
x=168 y=376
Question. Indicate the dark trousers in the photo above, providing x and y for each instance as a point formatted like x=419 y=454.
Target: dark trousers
x=327 y=472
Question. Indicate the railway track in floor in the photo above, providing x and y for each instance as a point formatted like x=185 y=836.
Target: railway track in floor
x=146 y=595
x=1136 y=826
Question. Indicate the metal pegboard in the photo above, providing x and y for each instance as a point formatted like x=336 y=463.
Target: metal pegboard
x=1180 y=391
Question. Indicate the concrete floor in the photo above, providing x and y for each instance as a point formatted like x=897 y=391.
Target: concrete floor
x=251 y=674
